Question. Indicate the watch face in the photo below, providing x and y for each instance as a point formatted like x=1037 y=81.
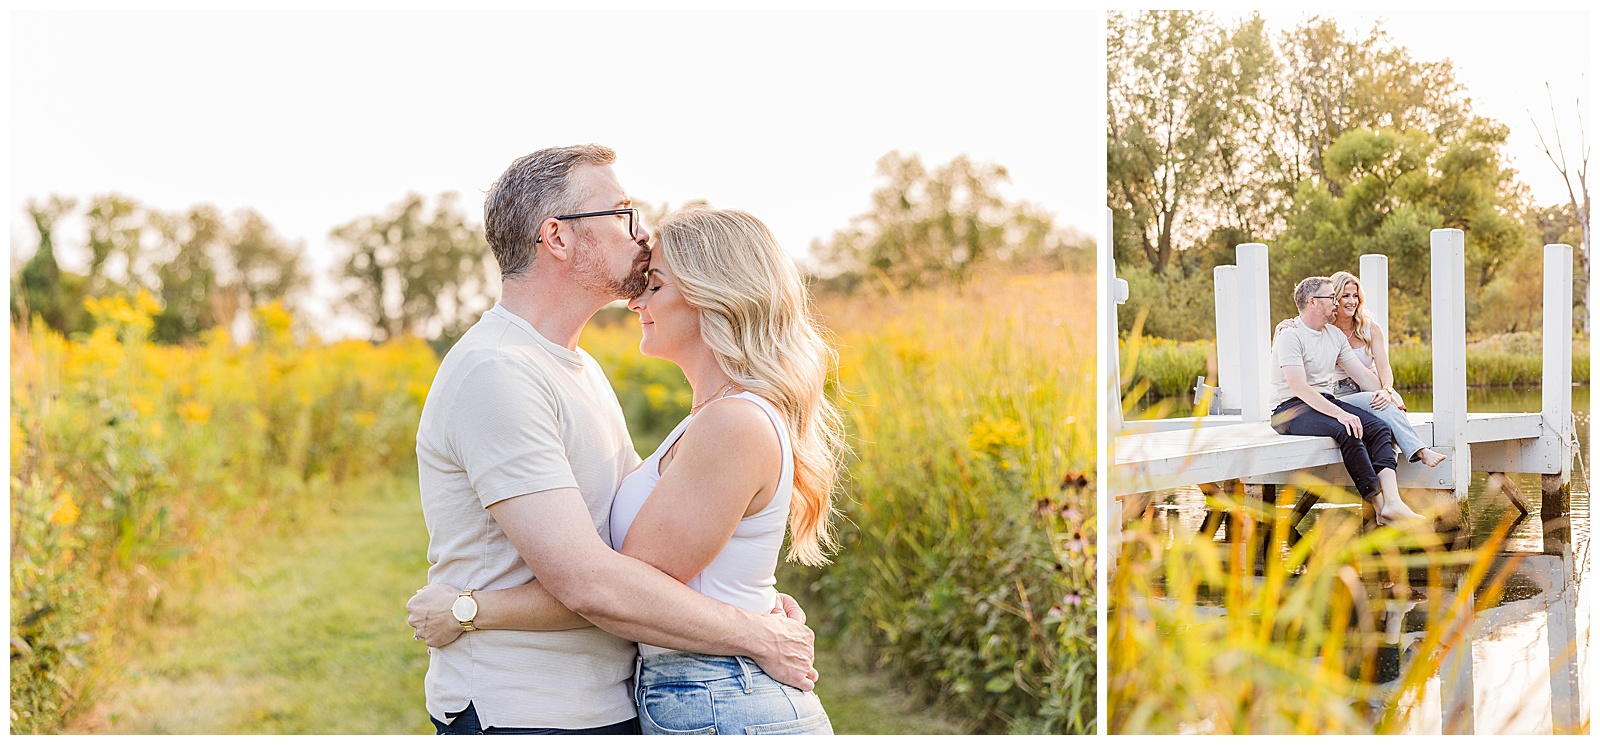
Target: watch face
x=465 y=609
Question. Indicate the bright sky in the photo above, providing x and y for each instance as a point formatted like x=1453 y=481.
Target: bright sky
x=314 y=119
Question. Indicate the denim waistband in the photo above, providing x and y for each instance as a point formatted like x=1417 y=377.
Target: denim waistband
x=684 y=667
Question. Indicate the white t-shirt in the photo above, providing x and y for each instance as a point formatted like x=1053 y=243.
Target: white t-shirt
x=509 y=414
x=1319 y=352
x=742 y=573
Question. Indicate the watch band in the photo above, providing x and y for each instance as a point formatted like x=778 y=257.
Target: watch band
x=466 y=625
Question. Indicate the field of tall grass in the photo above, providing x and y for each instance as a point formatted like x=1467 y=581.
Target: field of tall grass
x=132 y=463
x=969 y=544
x=968 y=561
x=1171 y=367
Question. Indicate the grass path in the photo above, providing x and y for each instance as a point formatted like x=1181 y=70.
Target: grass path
x=305 y=632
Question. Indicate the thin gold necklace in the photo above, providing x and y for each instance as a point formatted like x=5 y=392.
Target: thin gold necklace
x=721 y=392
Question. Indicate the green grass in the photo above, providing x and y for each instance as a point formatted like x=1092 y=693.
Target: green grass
x=305 y=633
x=860 y=701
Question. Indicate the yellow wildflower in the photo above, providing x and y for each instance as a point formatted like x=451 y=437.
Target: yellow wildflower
x=194 y=412
x=19 y=442
x=274 y=319
x=147 y=303
x=66 y=511
x=992 y=438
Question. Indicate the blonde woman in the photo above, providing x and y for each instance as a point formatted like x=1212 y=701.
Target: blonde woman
x=1367 y=340
x=757 y=453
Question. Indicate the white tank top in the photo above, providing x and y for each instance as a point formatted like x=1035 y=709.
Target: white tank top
x=742 y=574
x=1364 y=353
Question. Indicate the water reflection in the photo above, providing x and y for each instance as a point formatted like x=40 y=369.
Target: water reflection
x=1520 y=664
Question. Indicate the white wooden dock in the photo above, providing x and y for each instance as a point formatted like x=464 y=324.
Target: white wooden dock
x=1165 y=454
x=1147 y=456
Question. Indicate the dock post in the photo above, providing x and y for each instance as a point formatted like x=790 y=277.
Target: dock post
x=1375 y=285
x=1255 y=333
x=1449 y=286
x=1556 y=391
x=1226 y=280
x=1114 y=292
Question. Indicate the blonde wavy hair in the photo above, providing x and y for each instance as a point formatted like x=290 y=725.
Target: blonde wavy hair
x=757 y=318
x=1364 y=320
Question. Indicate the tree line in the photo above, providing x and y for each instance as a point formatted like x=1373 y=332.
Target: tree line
x=421 y=268
x=415 y=269
x=1324 y=144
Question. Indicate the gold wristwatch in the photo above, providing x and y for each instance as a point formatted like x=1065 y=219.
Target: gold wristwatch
x=465 y=609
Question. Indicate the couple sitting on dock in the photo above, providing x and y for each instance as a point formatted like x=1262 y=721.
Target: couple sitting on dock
x=1331 y=378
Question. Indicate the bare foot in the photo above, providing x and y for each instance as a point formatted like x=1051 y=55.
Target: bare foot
x=1401 y=516
x=1392 y=509
x=1430 y=457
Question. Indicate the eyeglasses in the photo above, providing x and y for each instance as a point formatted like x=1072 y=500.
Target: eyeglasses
x=1323 y=297
x=631 y=212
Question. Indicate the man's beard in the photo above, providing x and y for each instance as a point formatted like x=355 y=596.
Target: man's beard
x=591 y=273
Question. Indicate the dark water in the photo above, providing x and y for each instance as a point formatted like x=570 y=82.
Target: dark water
x=1523 y=667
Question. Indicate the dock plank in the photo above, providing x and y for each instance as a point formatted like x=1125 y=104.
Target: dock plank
x=1155 y=455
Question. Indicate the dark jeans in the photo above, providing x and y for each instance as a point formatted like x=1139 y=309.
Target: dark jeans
x=466 y=723
x=1364 y=457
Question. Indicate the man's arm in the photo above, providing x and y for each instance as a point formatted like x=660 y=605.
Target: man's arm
x=1295 y=377
x=627 y=597
x=527 y=607
x=1359 y=373
x=728 y=455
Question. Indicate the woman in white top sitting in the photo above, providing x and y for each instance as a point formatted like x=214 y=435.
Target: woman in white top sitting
x=1367 y=339
x=757 y=453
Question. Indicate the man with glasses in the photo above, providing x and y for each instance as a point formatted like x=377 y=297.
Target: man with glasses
x=521 y=447
x=1306 y=360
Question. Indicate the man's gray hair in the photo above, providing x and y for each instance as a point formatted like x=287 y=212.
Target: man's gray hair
x=1307 y=288
x=532 y=190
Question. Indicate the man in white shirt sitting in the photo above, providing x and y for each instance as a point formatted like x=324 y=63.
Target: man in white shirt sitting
x=1306 y=363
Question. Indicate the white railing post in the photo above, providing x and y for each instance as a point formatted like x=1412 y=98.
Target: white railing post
x=1255 y=333
x=1450 y=352
x=1115 y=293
x=1556 y=403
x=1225 y=278
x=1556 y=397
x=1375 y=285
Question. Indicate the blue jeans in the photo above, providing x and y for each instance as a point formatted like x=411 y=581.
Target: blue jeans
x=1363 y=456
x=1404 y=434
x=466 y=723
x=697 y=694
